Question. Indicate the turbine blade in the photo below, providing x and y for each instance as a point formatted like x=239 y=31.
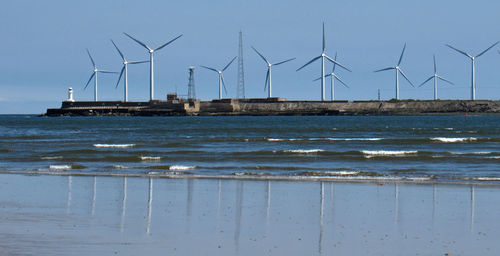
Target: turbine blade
x=120 y=77
x=229 y=64
x=324 y=41
x=139 y=42
x=138 y=62
x=335 y=62
x=267 y=79
x=483 y=52
x=442 y=78
x=435 y=68
x=403 y=73
x=402 y=53
x=430 y=78
x=340 y=80
x=334 y=65
x=327 y=75
x=90 y=56
x=108 y=72
x=281 y=62
x=311 y=61
x=213 y=69
x=460 y=51
x=121 y=54
x=384 y=69
x=90 y=79
x=223 y=83
x=167 y=43
x=262 y=56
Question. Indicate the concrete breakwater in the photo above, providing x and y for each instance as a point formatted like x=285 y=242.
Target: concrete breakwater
x=273 y=106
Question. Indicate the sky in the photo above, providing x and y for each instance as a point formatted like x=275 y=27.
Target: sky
x=42 y=51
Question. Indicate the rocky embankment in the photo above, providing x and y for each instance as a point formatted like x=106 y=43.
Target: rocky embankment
x=264 y=107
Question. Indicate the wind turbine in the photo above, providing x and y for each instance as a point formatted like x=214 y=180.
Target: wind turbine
x=94 y=75
x=151 y=61
x=398 y=70
x=473 y=59
x=125 y=69
x=221 y=77
x=435 y=77
x=323 y=56
x=268 y=75
x=333 y=76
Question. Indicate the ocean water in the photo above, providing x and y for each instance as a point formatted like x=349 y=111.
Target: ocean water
x=424 y=148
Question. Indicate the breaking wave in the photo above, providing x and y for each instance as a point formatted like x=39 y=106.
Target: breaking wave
x=181 y=167
x=388 y=152
x=304 y=151
x=114 y=145
x=453 y=140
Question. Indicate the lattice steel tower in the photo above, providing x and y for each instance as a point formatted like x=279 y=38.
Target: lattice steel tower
x=191 y=92
x=240 y=91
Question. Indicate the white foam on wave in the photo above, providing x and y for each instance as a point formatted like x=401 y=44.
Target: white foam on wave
x=472 y=153
x=487 y=178
x=273 y=139
x=304 y=151
x=341 y=173
x=120 y=166
x=59 y=167
x=150 y=158
x=452 y=140
x=354 y=139
x=114 y=145
x=181 y=167
x=371 y=153
x=494 y=157
x=51 y=157
x=449 y=129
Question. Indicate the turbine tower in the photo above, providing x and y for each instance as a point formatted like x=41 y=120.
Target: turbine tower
x=151 y=61
x=333 y=76
x=94 y=75
x=473 y=66
x=435 y=77
x=398 y=70
x=268 y=76
x=323 y=56
x=221 y=77
x=125 y=69
x=240 y=91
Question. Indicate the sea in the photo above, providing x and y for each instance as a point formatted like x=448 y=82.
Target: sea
x=452 y=149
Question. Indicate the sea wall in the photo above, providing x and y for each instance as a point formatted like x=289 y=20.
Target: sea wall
x=275 y=106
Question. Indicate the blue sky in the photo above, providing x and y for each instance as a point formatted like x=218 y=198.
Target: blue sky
x=43 y=44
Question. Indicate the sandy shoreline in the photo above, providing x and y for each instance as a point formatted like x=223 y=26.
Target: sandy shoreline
x=254 y=177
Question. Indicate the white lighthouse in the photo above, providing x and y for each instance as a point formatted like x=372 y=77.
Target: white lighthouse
x=70 y=95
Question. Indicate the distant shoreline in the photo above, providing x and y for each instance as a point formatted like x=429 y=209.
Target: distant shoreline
x=275 y=107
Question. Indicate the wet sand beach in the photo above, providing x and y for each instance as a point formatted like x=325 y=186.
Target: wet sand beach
x=85 y=215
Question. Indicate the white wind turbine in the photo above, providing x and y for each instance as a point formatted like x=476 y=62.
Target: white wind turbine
x=94 y=75
x=125 y=69
x=221 y=77
x=435 y=77
x=398 y=70
x=323 y=56
x=333 y=76
x=268 y=75
x=473 y=66
x=151 y=61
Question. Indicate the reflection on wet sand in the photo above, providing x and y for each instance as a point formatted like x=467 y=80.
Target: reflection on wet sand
x=124 y=204
x=357 y=218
